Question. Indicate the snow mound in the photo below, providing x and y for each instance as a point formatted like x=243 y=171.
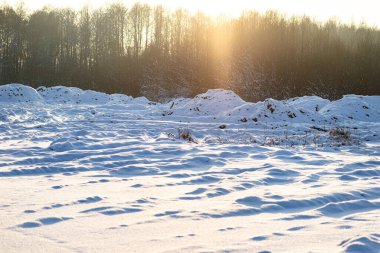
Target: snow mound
x=61 y=94
x=211 y=103
x=73 y=95
x=272 y=110
x=228 y=106
x=352 y=107
x=18 y=93
x=373 y=101
x=120 y=99
x=217 y=104
x=94 y=97
x=309 y=103
x=370 y=244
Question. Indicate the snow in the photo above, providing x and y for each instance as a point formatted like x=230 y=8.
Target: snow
x=61 y=94
x=211 y=103
x=84 y=171
x=18 y=93
x=310 y=103
x=354 y=108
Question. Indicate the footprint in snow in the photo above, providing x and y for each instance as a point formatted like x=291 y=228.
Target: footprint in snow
x=182 y=236
x=344 y=227
x=296 y=228
x=259 y=238
x=228 y=229
x=43 y=222
x=56 y=187
x=167 y=213
x=278 y=234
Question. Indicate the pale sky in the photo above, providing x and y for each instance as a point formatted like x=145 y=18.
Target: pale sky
x=347 y=11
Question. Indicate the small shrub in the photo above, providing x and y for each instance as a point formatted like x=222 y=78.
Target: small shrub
x=185 y=134
x=340 y=133
x=342 y=136
x=315 y=140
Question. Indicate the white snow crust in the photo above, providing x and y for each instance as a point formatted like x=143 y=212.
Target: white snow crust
x=84 y=171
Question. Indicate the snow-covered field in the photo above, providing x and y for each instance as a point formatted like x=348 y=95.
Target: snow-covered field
x=82 y=171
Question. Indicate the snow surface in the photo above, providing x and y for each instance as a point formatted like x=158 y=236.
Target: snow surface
x=83 y=171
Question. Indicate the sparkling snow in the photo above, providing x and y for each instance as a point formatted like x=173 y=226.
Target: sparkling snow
x=83 y=171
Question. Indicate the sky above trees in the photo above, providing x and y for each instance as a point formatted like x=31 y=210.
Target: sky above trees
x=347 y=11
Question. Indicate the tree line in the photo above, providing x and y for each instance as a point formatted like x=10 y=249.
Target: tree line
x=151 y=51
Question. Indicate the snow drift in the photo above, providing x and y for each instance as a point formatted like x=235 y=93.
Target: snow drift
x=211 y=173
x=220 y=105
x=18 y=93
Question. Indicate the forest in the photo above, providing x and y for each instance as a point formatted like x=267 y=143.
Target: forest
x=151 y=51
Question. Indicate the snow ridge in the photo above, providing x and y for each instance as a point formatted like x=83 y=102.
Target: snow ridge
x=214 y=105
